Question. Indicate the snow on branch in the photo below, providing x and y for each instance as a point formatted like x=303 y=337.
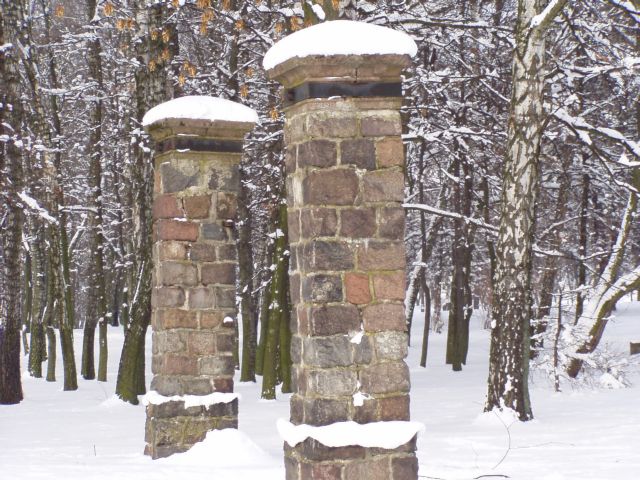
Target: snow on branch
x=628 y=7
x=33 y=205
x=583 y=129
x=445 y=213
x=543 y=19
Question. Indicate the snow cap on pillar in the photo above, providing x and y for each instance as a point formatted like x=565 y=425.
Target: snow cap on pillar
x=199 y=115
x=344 y=50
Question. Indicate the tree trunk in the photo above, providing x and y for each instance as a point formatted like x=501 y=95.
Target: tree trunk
x=97 y=299
x=10 y=208
x=245 y=280
x=278 y=308
x=509 y=357
x=427 y=321
x=27 y=306
x=150 y=91
x=583 y=243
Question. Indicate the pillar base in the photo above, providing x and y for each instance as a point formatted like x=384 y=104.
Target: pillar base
x=311 y=460
x=173 y=428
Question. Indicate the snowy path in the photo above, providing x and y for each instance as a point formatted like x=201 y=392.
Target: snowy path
x=590 y=434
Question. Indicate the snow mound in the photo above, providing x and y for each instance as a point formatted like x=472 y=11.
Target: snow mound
x=505 y=416
x=200 y=107
x=226 y=448
x=116 y=402
x=609 y=381
x=341 y=434
x=340 y=37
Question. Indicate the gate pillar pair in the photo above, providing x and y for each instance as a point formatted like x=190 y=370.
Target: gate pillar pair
x=198 y=145
x=345 y=187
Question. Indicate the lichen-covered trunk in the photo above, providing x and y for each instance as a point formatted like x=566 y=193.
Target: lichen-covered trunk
x=509 y=355
x=38 y=304
x=427 y=320
x=460 y=295
x=96 y=302
x=245 y=280
x=278 y=312
x=27 y=302
x=150 y=91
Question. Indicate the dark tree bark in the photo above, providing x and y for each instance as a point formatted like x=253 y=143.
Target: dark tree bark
x=151 y=90
x=277 y=358
x=11 y=209
x=96 y=302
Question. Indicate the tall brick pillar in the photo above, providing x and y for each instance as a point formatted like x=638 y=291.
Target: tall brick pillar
x=345 y=186
x=194 y=254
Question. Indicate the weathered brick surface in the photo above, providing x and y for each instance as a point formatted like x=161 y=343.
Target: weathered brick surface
x=195 y=261
x=345 y=183
x=317 y=153
x=389 y=286
x=318 y=222
x=177 y=230
x=202 y=252
x=218 y=273
x=327 y=352
x=214 y=231
x=178 y=273
x=378 y=126
x=325 y=255
x=326 y=125
x=391 y=223
x=384 y=316
x=172 y=250
x=167 y=297
x=330 y=187
x=322 y=288
x=201 y=297
x=380 y=255
x=390 y=377
x=166 y=206
x=404 y=467
x=394 y=408
x=226 y=206
x=176 y=179
x=390 y=152
x=357 y=222
x=357 y=288
x=360 y=152
x=334 y=319
x=197 y=206
x=176 y=318
x=384 y=186
x=377 y=469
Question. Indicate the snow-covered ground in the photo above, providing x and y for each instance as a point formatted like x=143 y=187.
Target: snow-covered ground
x=582 y=434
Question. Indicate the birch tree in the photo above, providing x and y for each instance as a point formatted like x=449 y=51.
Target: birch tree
x=509 y=355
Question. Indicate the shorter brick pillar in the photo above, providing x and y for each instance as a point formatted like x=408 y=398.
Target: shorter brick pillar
x=193 y=303
x=345 y=188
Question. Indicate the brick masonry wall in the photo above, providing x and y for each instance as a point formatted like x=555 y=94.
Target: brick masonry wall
x=345 y=187
x=193 y=302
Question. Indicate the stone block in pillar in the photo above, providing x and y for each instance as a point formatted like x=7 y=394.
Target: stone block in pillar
x=345 y=187
x=198 y=145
